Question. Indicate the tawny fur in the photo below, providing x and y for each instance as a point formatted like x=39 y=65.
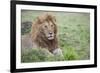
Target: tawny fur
x=38 y=36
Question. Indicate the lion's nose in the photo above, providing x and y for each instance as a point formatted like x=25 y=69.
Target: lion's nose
x=50 y=33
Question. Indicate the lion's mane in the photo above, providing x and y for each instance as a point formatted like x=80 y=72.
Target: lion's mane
x=38 y=36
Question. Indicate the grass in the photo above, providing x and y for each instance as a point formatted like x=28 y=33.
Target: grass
x=38 y=55
x=73 y=34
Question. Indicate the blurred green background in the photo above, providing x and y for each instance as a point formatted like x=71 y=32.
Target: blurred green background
x=73 y=35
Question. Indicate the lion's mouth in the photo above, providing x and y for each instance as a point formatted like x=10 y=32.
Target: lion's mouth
x=50 y=37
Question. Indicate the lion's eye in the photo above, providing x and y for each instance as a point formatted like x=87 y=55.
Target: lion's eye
x=51 y=25
x=45 y=26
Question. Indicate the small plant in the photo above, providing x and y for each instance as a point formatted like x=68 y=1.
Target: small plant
x=70 y=54
x=25 y=27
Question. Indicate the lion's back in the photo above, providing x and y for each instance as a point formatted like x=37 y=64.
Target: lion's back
x=26 y=42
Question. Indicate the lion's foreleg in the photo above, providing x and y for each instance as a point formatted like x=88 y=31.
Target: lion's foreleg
x=58 y=52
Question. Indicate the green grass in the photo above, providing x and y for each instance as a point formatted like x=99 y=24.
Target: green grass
x=38 y=55
x=73 y=34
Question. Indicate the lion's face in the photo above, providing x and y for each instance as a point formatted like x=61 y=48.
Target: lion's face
x=48 y=30
x=45 y=26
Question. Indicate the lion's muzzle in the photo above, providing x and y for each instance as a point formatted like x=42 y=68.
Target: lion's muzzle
x=50 y=36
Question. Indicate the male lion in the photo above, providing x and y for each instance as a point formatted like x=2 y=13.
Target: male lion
x=43 y=34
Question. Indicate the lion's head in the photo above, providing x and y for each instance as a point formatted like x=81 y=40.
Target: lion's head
x=44 y=31
x=47 y=25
